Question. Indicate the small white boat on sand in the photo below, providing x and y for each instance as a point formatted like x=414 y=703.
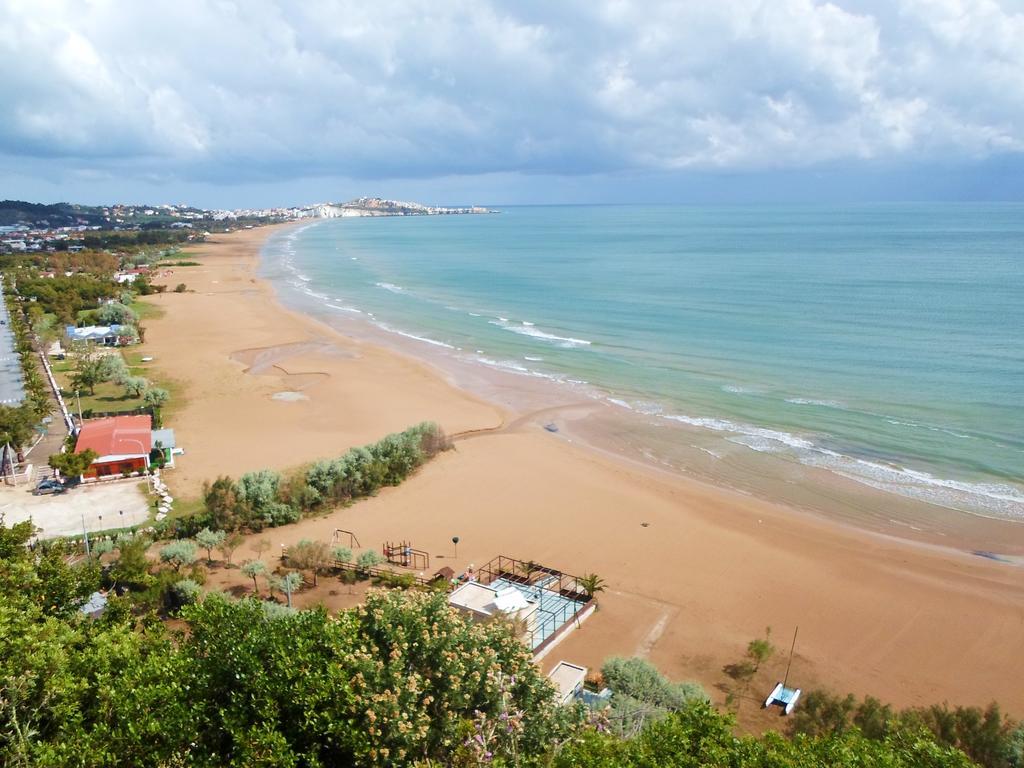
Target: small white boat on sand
x=784 y=697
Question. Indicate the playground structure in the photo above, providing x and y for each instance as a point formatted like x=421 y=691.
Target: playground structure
x=403 y=554
x=353 y=540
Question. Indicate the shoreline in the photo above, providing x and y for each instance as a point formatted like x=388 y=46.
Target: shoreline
x=589 y=414
x=877 y=616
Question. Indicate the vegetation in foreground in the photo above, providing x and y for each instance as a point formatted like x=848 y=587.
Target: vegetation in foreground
x=401 y=680
x=266 y=498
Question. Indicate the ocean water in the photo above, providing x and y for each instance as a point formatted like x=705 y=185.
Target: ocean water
x=881 y=343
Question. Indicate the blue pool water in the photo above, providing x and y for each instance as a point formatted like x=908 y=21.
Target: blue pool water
x=553 y=609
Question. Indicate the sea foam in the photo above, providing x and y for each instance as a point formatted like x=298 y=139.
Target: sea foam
x=529 y=329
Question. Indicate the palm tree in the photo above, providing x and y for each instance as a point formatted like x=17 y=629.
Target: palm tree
x=591 y=583
x=526 y=568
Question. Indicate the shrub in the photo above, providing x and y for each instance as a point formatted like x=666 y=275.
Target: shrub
x=102 y=547
x=186 y=591
x=258 y=490
x=985 y=735
x=116 y=314
x=277 y=513
x=264 y=498
x=363 y=471
x=642 y=694
x=369 y=559
x=276 y=611
x=310 y=556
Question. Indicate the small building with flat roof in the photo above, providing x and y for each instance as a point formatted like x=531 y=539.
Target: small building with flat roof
x=107 y=335
x=568 y=680
x=163 y=441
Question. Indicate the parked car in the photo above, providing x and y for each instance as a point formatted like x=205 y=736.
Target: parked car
x=51 y=485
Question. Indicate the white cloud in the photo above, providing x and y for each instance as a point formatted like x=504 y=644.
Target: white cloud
x=266 y=88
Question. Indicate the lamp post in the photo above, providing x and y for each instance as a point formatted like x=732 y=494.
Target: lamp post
x=145 y=458
x=85 y=534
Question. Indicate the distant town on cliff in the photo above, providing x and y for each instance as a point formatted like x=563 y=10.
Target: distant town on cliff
x=28 y=226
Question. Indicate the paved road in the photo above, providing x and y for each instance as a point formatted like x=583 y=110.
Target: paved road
x=12 y=384
x=99 y=507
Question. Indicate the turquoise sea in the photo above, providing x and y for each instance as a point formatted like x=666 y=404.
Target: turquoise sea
x=883 y=343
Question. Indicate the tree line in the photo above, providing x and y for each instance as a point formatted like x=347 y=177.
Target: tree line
x=266 y=498
x=18 y=423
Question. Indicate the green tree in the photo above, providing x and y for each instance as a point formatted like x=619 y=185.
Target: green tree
x=155 y=397
x=135 y=386
x=222 y=503
x=401 y=680
x=87 y=370
x=210 y=540
x=73 y=464
x=111 y=367
x=257 y=495
x=179 y=553
x=252 y=569
x=116 y=314
x=232 y=541
x=17 y=424
x=131 y=568
x=310 y=556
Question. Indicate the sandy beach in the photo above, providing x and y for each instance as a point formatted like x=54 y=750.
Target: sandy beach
x=693 y=572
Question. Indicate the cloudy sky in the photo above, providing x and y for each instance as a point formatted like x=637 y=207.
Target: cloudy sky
x=265 y=102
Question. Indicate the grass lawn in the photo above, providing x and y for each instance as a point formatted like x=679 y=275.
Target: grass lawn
x=111 y=398
x=108 y=398
x=186 y=507
x=145 y=310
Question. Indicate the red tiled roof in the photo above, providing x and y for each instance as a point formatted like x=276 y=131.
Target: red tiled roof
x=117 y=435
